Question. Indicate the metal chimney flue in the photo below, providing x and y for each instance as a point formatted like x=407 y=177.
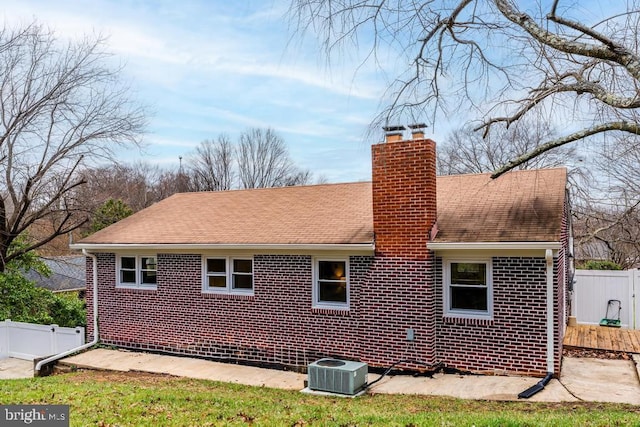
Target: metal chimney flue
x=393 y=133
x=417 y=130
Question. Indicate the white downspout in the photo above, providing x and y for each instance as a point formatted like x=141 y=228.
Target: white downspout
x=550 y=313
x=55 y=357
x=634 y=274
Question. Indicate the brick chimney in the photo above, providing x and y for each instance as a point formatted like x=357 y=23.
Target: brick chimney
x=404 y=193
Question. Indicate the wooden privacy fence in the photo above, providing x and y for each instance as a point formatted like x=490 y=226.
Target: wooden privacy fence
x=29 y=341
x=594 y=288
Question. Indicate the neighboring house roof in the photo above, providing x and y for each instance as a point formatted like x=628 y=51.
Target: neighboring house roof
x=518 y=206
x=67 y=274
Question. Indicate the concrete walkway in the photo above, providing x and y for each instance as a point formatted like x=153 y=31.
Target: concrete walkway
x=11 y=368
x=602 y=380
x=597 y=380
x=125 y=361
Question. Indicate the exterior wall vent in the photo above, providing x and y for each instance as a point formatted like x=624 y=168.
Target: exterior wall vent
x=337 y=376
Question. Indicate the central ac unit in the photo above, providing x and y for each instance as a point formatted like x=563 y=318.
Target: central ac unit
x=337 y=376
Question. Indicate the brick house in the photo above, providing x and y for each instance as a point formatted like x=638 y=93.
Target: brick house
x=460 y=270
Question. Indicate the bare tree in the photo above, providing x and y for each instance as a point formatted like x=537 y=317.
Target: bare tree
x=263 y=161
x=212 y=165
x=171 y=182
x=619 y=161
x=146 y=179
x=301 y=177
x=466 y=151
x=134 y=184
x=607 y=223
x=503 y=60
x=609 y=233
x=61 y=106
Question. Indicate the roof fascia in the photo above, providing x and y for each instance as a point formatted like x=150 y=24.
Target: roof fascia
x=347 y=247
x=442 y=246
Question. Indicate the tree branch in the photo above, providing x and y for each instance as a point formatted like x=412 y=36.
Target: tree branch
x=610 y=52
x=628 y=127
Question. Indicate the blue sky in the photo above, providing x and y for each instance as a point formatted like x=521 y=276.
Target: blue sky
x=210 y=67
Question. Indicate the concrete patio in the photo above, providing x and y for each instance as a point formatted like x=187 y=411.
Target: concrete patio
x=588 y=379
x=11 y=368
x=597 y=380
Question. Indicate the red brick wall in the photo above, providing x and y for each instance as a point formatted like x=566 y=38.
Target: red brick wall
x=399 y=296
x=515 y=340
x=404 y=197
x=278 y=324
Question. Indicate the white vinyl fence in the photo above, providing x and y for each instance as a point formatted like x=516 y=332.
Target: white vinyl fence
x=29 y=341
x=594 y=288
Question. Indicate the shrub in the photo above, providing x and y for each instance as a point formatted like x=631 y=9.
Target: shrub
x=600 y=265
x=68 y=310
x=22 y=301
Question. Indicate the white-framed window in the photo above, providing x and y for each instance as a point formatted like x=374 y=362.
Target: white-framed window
x=331 y=283
x=225 y=274
x=137 y=271
x=468 y=288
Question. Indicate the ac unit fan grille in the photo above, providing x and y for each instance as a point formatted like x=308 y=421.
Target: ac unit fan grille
x=337 y=376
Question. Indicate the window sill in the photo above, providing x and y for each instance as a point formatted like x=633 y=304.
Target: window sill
x=458 y=319
x=333 y=310
x=138 y=287
x=228 y=295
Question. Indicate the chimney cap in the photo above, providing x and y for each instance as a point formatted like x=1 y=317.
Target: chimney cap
x=418 y=126
x=388 y=129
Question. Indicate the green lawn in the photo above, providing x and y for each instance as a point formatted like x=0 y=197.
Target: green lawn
x=117 y=399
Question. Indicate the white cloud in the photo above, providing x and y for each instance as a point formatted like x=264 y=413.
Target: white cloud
x=209 y=67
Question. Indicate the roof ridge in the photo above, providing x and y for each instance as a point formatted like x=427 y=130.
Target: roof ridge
x=513 y=171
x=286 y=187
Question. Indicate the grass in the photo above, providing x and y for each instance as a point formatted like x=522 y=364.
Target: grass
x=118 y=399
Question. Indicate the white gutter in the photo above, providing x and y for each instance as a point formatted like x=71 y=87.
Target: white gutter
x=209 y=246
x=493 y=245
x=55 y=357
x=550 y=343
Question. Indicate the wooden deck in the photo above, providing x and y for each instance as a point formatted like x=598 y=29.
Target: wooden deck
x=603 y=338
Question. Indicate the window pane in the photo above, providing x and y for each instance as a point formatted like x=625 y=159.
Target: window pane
x=466 y=273
x=216 y=265
x=127 y=276
x=465 y=298
x=217 y=281
x=148 y=263
x=128 y=262
x=242 y=266
x=333 y=291
x=242 y=281
x=332 y=270
x=149 y=277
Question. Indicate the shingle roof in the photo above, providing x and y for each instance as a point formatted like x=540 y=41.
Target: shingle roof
x=519 y=206
x=67 y=274
x=317 y=214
